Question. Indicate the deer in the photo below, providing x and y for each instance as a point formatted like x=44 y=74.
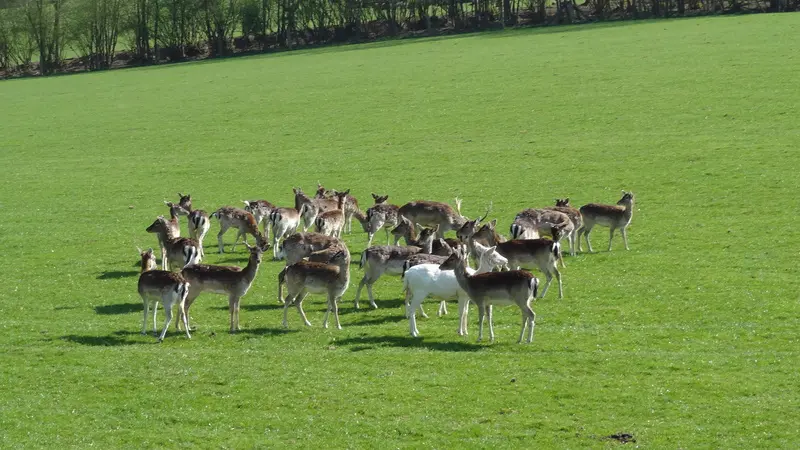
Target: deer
x=430 y=213
x=301 y=245
x=199 y=222
x=380 y=259
x=178 y=251
x=304 y=277
x=232 y=281
x=425 y=280
x=260 y=209
x=284 y=223
x=173 y=224
x=331 y=223
x=169 y=288
x=316 y=205
x=350 y=205
x=534 y=223
x=544 y=254
x=612 y=216
x=408 y=231
x=230 y=217
x=574 y=214
x=381 y=215
x=515 y=287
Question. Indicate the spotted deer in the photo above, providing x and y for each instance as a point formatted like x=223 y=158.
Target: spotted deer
x=230 y=217
x=260 y=209
x=612 y=216
x=232 y=281
x=169 y=288
x=574 y=214
x=389 y=259
x=430 y=213
x=381 y=215
x=178 y=251
x=284 y=223
x=350 y=205
x=515 y=287
x=408 y=231
x=317 y=205
x=199 y=222
x=331 y=223
x=301 y=245
x=533 y=223
x=304 y=277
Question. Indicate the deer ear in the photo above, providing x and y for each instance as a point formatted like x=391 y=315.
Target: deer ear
x=347 y=191
x=493 y=223
x=150 y=250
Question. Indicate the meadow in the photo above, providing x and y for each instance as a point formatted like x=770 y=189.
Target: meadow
x=688 y=340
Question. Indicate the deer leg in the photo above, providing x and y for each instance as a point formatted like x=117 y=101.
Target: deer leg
x=371 y=296
x=610 y=237
x=238 y=235
x=222 y=230
x=624 y=232
x=299 y=303
x=442 y=308
x=524 y=325
x=168 y=313
x=549 y=277
x=586 y=233
x=358 y=291
x=232 y=310
x=336 y=313
x=155 y=313
x=184 y=317
x=164 y=265
x=532 y=320
x=560 y=287
x=572 y=243
x=491 y=324
x=146 y=305
x=481 y=315
x=286 y=304
x=463 y=309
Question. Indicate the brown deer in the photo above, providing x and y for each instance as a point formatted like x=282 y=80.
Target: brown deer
x=317 y=205
x=232 y=281
x=230 y=217
x=199 y=222
x=178 y=252
x=169 y=288
x=331 y=223
x=612 y=216
x=430 y=213
x=381 y=215
x=301 y=245
x=260 y=209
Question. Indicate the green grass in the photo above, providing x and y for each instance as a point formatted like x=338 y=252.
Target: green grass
x=688 y=340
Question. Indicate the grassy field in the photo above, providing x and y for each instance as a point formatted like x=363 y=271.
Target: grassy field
x=688 y=340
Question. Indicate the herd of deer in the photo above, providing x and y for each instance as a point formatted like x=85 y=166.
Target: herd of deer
x=319 y=261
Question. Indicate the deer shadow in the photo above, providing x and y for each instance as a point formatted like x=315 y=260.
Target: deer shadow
x=366 y=342
x=119 y=308
x=379 y=320
x=117 y=274
x=264 y=331
x=257 y=307
x=116 y=338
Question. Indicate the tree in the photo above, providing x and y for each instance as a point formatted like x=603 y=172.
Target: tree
x=95 y=27
x=220 y=17
x=45 y=28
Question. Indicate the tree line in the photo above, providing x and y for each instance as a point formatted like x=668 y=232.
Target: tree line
x=37 y=36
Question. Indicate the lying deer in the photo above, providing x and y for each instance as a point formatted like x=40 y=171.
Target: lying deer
x=232 y=281
x=612 y=216
x=515 y=287
x=169 y=288
x=304 y=277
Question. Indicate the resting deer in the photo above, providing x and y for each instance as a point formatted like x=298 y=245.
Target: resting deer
x=612 y=216
x=199 y=222
x=232 y=281
x=544 y=254
x=306 y=277
x=515 y=287
x=381 y=215
x=380 y=259
x=331 y=223
x=301 y=245
x=425 y=280
x=430 y=213
x=169 y=288
x=260 y=209
x=230 y=217
x=178 y=251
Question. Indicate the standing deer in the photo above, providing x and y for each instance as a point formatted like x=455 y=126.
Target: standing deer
x=317 y=205
x=301 y=245
x=534 y=223
x=304 y=277
x=199 y=222
x=232 y=281
x=284 y=223
x=260 y=209
x=331 y=223
x=381 y=215
x=178 y=251
x=169 y=288
x=611 y=216
x=515 y=287
x=430 y=213
x=350 y=205
x=574 y=214
x=230 y=217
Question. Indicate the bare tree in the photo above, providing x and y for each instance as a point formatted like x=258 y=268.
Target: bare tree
x=95 y=27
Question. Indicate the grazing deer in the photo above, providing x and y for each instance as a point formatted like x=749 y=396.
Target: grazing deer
x=199 y=223
x=230 y=217
x=516 y=287
x=169 y=288
x=611 y=216
x=260 y=209
x=408 y=231
x=425 y=280
x=316 y=205
x=304 y=277
x=533 y=223
x=284 y=223
x=178 y=251
x=331 y=223
x=430 y=213
x=301 y=245
x=380 y=259
x=543 y=254
x=381 y=215
x=232 y=281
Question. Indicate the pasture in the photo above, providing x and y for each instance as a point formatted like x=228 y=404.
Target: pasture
x=688 y=340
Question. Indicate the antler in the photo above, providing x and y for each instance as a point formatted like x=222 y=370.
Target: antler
x=488 y=210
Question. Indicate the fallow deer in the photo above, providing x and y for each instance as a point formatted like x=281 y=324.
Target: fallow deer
x=533 y=223
x=232 y=281
x=199 y=222
x=350 y=205
x=317 y=205
x=381 y=215
x=408 y=231
x=260 y=209
x=304 y=277
x=230 y=217
x=331 y=223
x=169 y=288
x=612 y=216
x=430 y=213
x=179 y=251
x=284 y=223
x=380 y=259
x=301 y=245
x=574 y=214
x=515 y=287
